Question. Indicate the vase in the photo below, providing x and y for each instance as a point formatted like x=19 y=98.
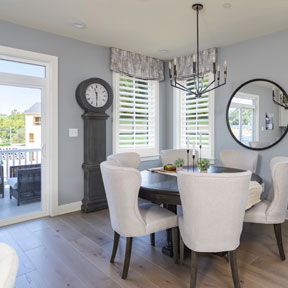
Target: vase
x=178 y=169
x=203 y=171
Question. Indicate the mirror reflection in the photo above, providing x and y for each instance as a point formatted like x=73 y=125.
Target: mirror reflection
x=258 y=114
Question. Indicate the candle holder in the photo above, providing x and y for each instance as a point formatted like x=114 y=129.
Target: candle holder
x=200 y=147
x=193 y=159
x=188 y=159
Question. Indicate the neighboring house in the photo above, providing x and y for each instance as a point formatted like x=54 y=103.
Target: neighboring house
x=33 y=126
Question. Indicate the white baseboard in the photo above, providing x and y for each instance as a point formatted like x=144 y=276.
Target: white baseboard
x=68 y=208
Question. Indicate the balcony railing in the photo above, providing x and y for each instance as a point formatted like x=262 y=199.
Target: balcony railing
x=18 y=157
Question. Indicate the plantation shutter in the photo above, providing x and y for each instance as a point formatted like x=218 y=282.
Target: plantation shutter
x=136 y=115
x=197 y=119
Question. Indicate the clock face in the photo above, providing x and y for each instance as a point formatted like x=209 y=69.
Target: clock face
x=96 y=95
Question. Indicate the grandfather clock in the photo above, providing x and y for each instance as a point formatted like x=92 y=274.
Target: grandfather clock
x=95 y=96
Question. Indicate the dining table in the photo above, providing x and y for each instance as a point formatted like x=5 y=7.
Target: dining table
x=162 y=188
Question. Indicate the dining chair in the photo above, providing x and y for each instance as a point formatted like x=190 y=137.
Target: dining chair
x=273 y=211
x=132 y=160
x=126 y=159
x=129 y=219
x=240 y=159
x=213 y=214
x=8 y=266
x=169 y=156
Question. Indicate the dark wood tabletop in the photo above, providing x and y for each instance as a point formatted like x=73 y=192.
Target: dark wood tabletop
x=161 y=188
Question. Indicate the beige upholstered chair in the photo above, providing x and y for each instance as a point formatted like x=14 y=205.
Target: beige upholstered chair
x=129 y=219
x=127 y=159
x=240 y=159
x=170 y=155
x=8 y=266
x=213 y=214
x=273 y=211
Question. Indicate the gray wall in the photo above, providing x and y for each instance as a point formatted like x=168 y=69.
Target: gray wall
x=263 y=57
x=77 y=62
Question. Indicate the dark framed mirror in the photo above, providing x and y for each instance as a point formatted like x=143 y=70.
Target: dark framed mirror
x=257 y=114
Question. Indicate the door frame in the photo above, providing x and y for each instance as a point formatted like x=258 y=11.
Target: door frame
x=49 y=150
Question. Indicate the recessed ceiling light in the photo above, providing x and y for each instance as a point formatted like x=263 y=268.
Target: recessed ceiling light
x=79 y=25
x=163 y=51
x=227 y=5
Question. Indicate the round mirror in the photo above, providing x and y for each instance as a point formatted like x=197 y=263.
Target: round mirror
x=257 y=114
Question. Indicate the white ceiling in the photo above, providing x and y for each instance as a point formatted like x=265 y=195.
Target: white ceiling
x=148 y=26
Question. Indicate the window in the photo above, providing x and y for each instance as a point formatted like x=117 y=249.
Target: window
x=37 y=120
x=243 y=113
x=31 y=138
x=195 y=119
x=135 y=115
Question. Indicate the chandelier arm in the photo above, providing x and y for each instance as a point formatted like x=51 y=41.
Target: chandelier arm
x=280 y=104
x=208 y=86
x=215 y=87
x=185 y=88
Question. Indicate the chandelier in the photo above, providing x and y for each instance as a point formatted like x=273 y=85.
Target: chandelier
x=200 y=86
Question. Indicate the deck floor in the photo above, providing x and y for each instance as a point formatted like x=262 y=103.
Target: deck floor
x=73 y=250
x=9 y=208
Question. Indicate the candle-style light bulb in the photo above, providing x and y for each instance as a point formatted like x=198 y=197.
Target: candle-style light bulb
x=225 y=69
x=194 y=64
x=170 y=70
x=214 y=65
x=175 y=69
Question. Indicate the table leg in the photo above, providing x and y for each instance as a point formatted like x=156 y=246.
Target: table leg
x=168 y=249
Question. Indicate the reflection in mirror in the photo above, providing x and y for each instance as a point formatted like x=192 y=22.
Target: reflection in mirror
x=256 y=114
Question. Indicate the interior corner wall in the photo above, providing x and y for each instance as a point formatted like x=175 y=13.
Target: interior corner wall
x=77 y=61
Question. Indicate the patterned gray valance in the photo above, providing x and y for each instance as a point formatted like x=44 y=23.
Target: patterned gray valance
x=185 y=63
x=136 y=65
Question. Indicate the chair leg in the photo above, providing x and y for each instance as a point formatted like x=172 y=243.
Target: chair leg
x=127 y=257
x=181 y=260
x=115 y=246
x=152 y=239
x=278 y=234
x=193 y=275
x=175 y=243
x=234 y=268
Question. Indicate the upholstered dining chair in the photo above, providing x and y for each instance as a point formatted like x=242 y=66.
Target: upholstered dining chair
x=240 y=159
x=170 y=155
x=126 y=159
x=213 y=214
x=8 y=266
x=129 y=219
x=273 y=211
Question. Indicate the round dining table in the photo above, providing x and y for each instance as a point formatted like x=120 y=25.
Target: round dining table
x=162 y=188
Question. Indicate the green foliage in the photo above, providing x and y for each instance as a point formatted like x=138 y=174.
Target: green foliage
x=203 y=164
x=12 y=128
x=179 y=162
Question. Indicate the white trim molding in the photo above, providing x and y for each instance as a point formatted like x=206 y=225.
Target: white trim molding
x=49 y=88
x=69 y=208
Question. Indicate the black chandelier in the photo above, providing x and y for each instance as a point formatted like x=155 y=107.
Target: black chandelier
x=198 y=77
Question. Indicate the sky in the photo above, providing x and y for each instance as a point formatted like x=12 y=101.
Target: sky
x=20 y=98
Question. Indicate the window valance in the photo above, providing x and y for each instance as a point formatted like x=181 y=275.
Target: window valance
x=136 y=65
x=185 y=63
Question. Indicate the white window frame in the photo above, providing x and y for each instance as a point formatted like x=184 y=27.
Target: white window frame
x=255 y=108
x=145 y=153
x=49 y=87
x=205 y=153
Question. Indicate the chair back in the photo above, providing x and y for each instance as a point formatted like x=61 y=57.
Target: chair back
x=240 y=159
x=122 y=188
x=127 y=159
x=213 y=209
x=8 y=266
x=276 y=211
x=169 y=156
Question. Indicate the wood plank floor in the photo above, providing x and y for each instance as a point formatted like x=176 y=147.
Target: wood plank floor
x=73 y=250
